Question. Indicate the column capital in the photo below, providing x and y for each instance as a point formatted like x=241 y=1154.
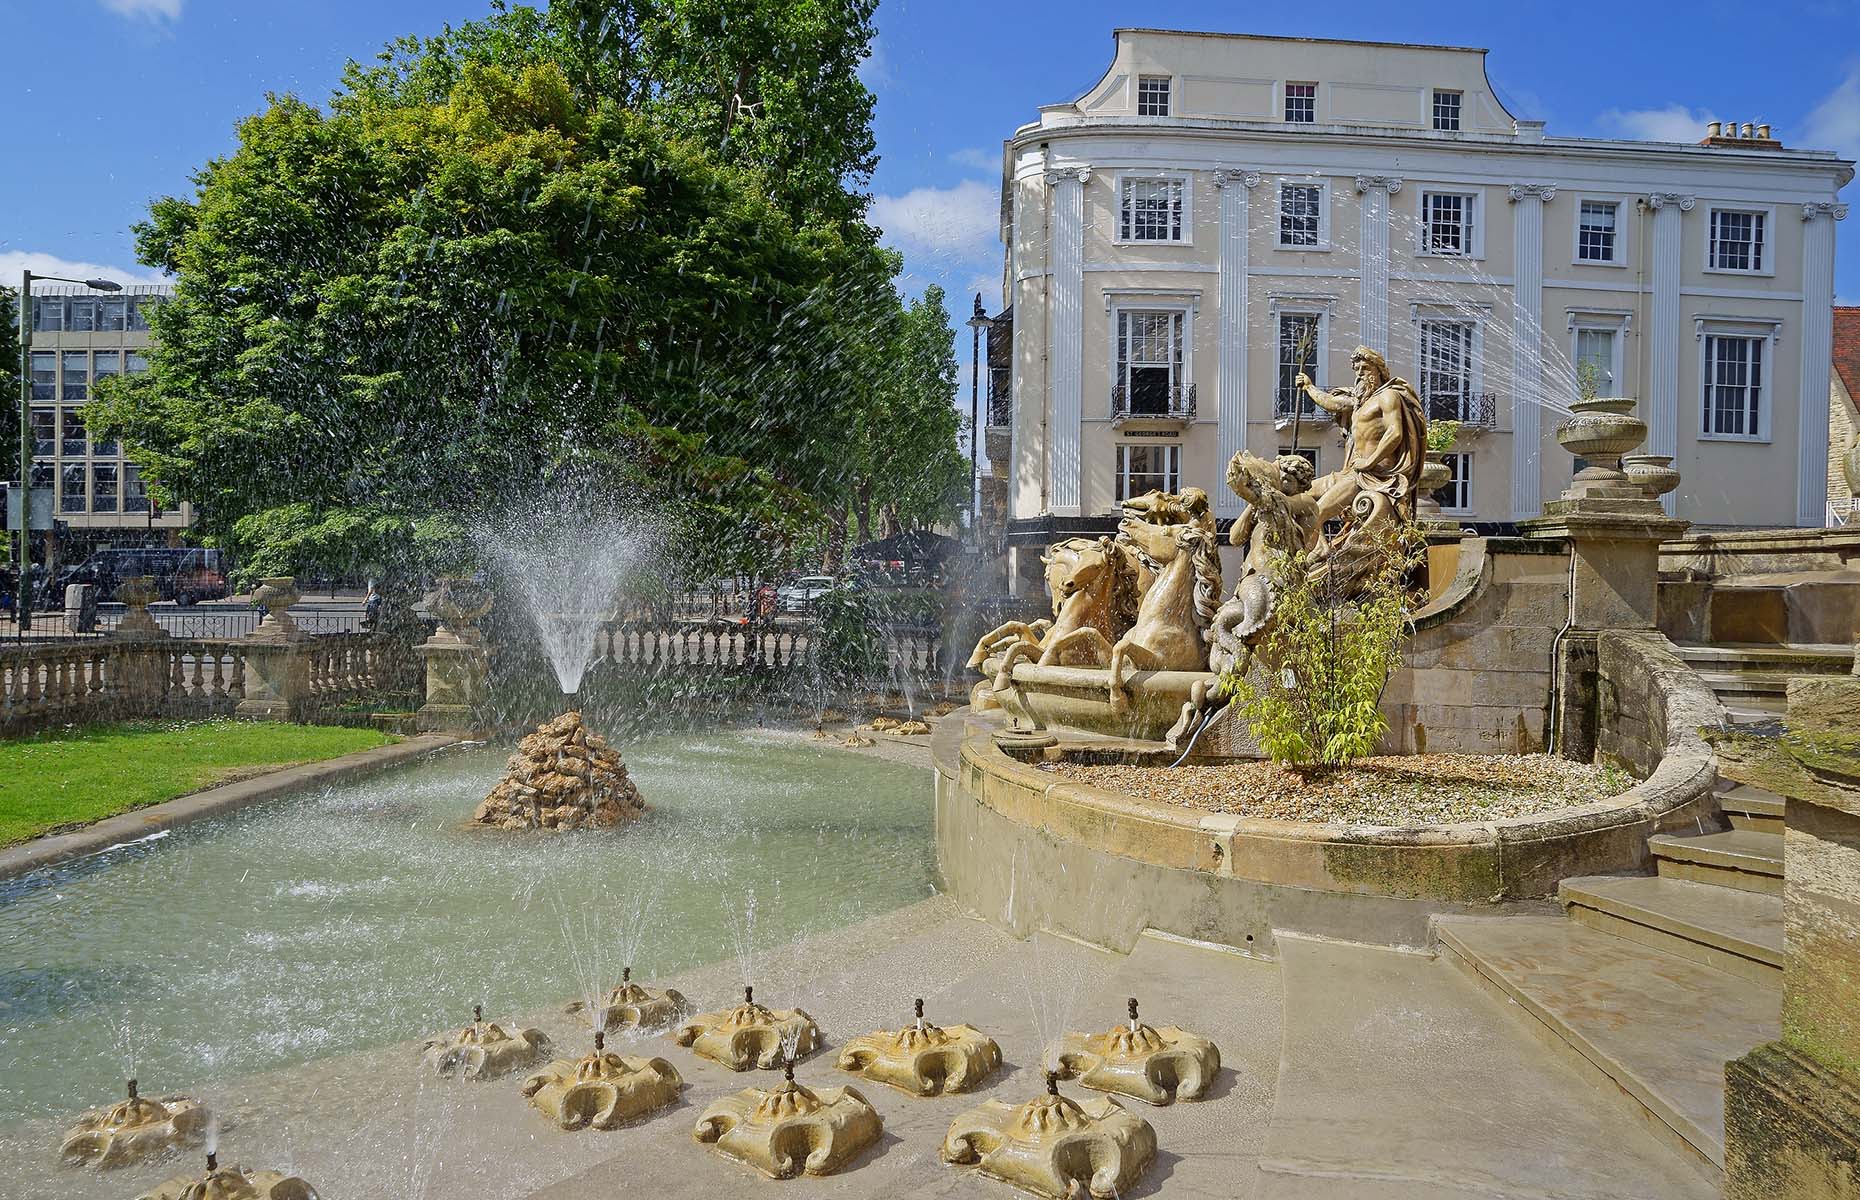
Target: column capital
x=1545 y=192
x=1659 y=200
x=1226 y=175
x=1833 y=209
x=1075 y=171
x=1387 y=183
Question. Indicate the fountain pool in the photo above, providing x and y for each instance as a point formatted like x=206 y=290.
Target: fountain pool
x=368 y=912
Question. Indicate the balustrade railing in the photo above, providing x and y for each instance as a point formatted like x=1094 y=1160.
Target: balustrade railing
x=756 y=645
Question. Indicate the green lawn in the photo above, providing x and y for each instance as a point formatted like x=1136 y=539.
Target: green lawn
x=57 y=780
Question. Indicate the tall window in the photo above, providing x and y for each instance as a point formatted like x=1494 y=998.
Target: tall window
x=1733 y=386
x=1447 y=370
x=134 y=362
x=71 y=491
x=135 y=491
x=1736 y=240
x=112 y=314
x=1301 y=103
x=48 y=313
x=1149 y=363
x=44 y=375
x=1152 y=95
x=1595 y=351
x=1143 y=468
x=1447 y=111
x=103 y=488
x=1151 y=211
x=139 y=308
x=70 y=433
x=1301 y=214
x=76 y=371
x=1300 y=337
x=1456 y=496
x=105 y=363
x=81 y=314
x=44 y=431
x=1595 y=231
x=1447 y=223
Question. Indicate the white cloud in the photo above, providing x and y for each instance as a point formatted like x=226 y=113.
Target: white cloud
x=145 y=10
x=1674 y=123
x=1835 y=122
x=960 y=224
x=12 y=262
x=979 y=157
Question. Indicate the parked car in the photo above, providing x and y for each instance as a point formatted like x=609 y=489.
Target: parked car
x=799 y=595
x=183 y=574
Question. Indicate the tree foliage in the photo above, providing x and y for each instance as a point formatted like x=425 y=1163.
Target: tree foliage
x=1314 y=698
x=610 y=241
x=9 y=384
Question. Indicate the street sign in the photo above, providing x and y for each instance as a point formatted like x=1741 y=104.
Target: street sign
x=41 y=506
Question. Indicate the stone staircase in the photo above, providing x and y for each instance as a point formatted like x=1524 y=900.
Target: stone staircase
x=1651 y=983
x=1751 y=680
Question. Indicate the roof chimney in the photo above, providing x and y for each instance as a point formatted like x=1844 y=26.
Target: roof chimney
x=1763 y=131
x=1714 y=129
x=1746 y=131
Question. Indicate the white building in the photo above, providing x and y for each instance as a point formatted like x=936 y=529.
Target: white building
x=1219 y=210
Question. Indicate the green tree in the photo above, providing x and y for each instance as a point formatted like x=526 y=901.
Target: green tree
x=9 y=384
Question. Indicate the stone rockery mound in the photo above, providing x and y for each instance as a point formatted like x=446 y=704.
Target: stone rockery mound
x=562 y=777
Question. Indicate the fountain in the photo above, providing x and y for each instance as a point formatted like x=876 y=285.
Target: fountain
x=562 y=777
x=483 y=1049
x=630 y=1006
x=922 y=1058
x=602 y=1090
x=134 y=1129
x=232 y=1183
x=750 y=1035
x=1053 y=1145
x=787 y=1129
x=1158 y=1066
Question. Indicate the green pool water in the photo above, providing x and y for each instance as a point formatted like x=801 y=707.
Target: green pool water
x=369 y=912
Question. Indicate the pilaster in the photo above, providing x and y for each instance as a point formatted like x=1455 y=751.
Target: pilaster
x=1664 y=332
x=1065 y=434
x=1235 y=188
x=1527 y=354
x=1817 y=357
x=1374 y=296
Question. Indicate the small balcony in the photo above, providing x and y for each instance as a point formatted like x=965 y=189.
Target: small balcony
x=1000 y=409
x=1175 y=403
x=1475 y=411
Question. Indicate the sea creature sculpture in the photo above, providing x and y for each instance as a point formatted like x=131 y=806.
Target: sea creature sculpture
x=1082 y=577
x=750 y=1035
x=134 y=1129
x=630 y=1006
x=922 y=1058
x=1177 y=607
x=787 y=1129
x=602 y=1090
x=1159 y=1066
x=1053 y=1145
x=232 y=1183
x=483 y=1049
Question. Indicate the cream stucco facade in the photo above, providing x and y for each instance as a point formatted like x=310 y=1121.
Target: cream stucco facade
x=1173 y=232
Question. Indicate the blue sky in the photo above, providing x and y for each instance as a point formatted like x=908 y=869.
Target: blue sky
x=112 y=103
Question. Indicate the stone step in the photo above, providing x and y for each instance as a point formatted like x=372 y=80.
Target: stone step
x=1750 y=807
x=1736 y=858
x=1735 y=931
x=1796 y=659
x=1728 y=684
x=1747 y=710
x=1657 y=1027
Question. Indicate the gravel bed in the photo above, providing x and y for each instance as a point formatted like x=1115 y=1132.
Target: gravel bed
x=1430 y=789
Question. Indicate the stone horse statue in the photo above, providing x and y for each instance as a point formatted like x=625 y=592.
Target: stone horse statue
x=1084 y=577
x=1178 y=606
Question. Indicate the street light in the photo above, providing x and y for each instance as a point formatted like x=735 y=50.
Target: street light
x=977 y=323
x=25 y=427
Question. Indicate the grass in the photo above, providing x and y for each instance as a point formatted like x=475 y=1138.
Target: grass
x=59 y=780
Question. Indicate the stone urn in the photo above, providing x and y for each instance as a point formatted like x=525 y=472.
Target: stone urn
x=1599 y=432
x=136 y=593
x=1435 y=474
x=276 y=594
x=1654 y=472
x=459 y=602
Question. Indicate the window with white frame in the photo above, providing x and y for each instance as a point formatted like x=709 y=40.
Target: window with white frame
x=1456 y=494
x=1301 y=216
x=1301 y=103
x=1734 y=383
x=1145 y=467
x=1447 y=368
x=1152 y=95
x=1596 y=231
x=1736 y=240
x=1596 y=358
x=1447 y=111
x=1301 y=345
x=1150 y=373
x=1448 y=223
x=1151 y=211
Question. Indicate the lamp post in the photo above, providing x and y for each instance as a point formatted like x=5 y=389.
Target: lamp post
x=25 y=428
x=977 y=323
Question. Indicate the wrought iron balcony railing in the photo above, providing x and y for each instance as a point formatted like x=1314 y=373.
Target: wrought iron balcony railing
x=1000 y=409
x=1475 y=410
x=1175 y=403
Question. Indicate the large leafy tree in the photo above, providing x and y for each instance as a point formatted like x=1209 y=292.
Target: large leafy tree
x=9 y=385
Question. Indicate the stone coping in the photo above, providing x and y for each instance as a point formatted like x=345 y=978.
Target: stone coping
x=170 y=814
x=1466 y=862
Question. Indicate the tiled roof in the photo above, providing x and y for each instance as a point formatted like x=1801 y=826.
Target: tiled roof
x=1847 y=348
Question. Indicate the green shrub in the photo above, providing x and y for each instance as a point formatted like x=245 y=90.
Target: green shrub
x=850 y=625
x=1314 y=698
